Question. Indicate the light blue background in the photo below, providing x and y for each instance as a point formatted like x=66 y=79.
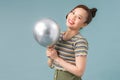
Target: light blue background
x=22 y=58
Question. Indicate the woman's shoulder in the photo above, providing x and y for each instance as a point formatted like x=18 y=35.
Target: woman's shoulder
x=80 y=38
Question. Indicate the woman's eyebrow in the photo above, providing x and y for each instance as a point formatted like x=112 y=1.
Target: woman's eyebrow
x=78 y=14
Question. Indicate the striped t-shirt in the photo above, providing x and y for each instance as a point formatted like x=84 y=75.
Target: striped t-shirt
x=68 y=50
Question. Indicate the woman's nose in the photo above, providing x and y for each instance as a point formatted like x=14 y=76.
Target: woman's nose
x=73 y=17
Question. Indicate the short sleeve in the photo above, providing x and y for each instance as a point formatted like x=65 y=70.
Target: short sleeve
x=81 y=47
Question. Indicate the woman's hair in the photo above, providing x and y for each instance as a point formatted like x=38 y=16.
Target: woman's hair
x=91 y=12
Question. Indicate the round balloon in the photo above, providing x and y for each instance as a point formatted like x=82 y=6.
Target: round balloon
x=46 y=32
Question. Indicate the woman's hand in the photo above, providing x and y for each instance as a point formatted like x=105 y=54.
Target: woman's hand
x=52 y=53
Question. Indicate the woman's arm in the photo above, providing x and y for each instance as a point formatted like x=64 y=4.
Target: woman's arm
x=77 y=69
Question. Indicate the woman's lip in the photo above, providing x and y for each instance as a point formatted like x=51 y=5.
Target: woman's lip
x=70 y=21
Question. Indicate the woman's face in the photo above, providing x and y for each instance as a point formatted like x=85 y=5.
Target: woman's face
x=76 y=19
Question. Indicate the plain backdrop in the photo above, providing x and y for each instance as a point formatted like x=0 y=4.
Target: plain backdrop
x=22 y=58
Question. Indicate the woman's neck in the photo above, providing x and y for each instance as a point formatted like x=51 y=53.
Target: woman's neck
x=69 y=34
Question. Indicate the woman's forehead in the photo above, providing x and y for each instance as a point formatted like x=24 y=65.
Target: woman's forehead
x=81 y=11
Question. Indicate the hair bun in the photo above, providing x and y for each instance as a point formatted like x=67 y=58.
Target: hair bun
x=93 y=11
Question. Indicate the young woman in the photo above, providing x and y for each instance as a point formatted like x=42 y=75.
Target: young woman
x=68 y=56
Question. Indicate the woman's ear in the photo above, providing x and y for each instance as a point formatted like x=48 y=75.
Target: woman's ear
x=84 y=25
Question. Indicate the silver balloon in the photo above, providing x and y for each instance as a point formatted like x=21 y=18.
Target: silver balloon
x=46 y=32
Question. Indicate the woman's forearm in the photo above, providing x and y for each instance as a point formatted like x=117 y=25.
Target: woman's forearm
x=78 y=71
